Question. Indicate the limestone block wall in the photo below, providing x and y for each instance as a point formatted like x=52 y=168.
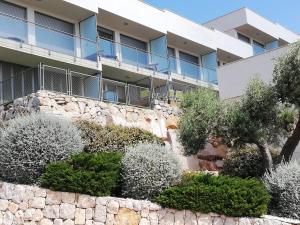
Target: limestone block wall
x=31 y=205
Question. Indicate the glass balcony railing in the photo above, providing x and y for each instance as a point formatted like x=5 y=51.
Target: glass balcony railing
x=139 y=58
x=55 y=40
x=13 y=28
x=16 y=29
x=190 y=70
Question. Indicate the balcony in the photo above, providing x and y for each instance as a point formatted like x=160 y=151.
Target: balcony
x=19 y=30
x=142 y=59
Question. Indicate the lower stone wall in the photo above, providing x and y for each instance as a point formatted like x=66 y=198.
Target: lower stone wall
x=31 y=205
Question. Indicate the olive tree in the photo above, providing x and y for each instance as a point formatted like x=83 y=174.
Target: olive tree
x=255 y=119
x=287 y=85
x=202 y=111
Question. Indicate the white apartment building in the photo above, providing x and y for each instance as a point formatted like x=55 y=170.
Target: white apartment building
x=125 y=51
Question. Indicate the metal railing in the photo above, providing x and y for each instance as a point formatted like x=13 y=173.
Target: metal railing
x=19 y=85
x=73 y=83
x=92 y=87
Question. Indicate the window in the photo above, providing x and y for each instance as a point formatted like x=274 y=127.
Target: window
x=105 y=33
x=133 y=42
x=188 y=57
x=243 y=38
x=171 y=52
x=258 y=48
x=54 y=23
x=12 y=9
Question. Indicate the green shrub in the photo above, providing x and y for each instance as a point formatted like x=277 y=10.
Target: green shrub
x=29 y=143
x=283 y=183
x=113 y=138
x=245 y=162
x=94 y=174
x=147 y=169
x=218 y=194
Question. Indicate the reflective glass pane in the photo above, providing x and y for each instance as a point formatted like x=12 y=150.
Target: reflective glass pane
x=13 y=29
x=55 y=41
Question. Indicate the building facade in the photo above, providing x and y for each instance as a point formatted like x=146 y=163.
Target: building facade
x=121 y=51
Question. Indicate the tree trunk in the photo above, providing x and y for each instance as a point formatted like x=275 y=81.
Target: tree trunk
x=266 y=155
x=291 y=143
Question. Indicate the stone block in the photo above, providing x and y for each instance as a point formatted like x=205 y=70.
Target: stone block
x=68 y=197
x=80 y=216
x=66 y=211
x=100 y=213
x=53 y=198
x=38 y=202
x=3 y=204
x=51 y=211
x=112 y=207
x=86 y=201
x=127 y=216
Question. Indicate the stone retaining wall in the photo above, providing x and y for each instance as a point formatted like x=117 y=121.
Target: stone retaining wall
x=31 y=205
x=161 y=121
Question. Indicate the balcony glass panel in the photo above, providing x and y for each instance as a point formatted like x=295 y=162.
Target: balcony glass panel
x=173 y=64
x=134 y=56
x=54 y=40
x=13 y=29
x=107 y=48
x=209 y=75
x=189 y=69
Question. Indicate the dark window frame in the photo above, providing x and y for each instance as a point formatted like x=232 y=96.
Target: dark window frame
x=244 y=38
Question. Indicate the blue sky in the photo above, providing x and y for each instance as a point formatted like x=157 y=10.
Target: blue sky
x=285 y=12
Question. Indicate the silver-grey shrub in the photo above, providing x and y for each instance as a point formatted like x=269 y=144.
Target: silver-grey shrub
x=147 y=169
x=283 y=183
x=30 y=142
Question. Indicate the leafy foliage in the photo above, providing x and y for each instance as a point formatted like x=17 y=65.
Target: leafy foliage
x=202 y=113
x=113 y=138
x=287 y=76
x=29 y=143
x=147 y=169
x=219 y=194
x=283 y=183
x=245 y=162
x=88 y=173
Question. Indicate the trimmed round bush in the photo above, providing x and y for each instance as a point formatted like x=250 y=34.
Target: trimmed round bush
x=283 y=183
x=147 y=169
x=95 y=174
x=218 y=194
x=245 y=162
x=113 y=138
x=29 y=143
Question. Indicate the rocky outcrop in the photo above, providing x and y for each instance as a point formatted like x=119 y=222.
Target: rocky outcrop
x=31 y=205
x=211 y=158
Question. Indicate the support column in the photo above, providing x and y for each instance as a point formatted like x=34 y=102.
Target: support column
x=77 y=41
x=31 y=26
x=178 y=66
x=118 y=45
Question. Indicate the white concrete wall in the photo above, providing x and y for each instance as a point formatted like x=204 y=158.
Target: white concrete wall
x=136 y=11
x=91 y=5
x=232 y=45
x=234 y=77
x=245 y=16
